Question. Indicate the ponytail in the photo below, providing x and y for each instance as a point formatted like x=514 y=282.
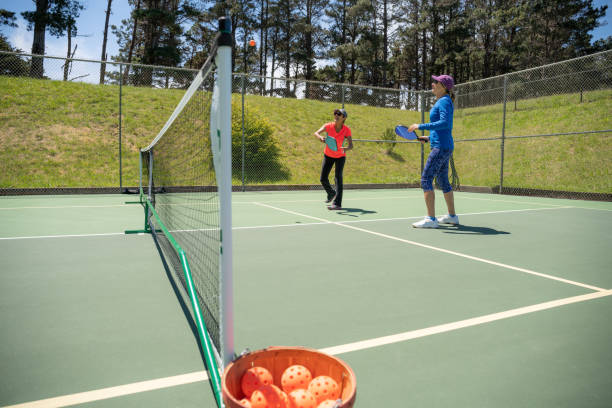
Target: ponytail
x=452 y=95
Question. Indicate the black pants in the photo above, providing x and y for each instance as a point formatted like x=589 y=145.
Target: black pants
x=328 y=162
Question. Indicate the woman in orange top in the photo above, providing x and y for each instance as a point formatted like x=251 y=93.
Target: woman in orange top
x=339 y=131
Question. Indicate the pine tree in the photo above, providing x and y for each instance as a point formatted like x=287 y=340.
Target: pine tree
x=57 y=16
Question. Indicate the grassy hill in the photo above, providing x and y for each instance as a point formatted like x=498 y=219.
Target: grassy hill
x=63 y=134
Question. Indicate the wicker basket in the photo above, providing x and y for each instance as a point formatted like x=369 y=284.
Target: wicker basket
x=277 y=359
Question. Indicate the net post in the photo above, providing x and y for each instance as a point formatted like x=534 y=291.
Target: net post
x=149 y=193
x=224 y=64
x=143 y=200
x=140 y=193
x=150 y=189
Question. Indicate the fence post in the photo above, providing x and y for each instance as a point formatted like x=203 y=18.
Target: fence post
x=342 y=88
x=503 y=137
x=243 y=151
x=120 y=103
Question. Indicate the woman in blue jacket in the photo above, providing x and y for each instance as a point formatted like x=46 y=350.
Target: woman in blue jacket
x=440 y=139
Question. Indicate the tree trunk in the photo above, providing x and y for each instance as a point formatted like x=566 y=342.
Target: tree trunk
x=264 y=45
x=309 y=48
x=342 y=60
x=262 y=27
x=38 y=44
x=103 y=67
x=424 y=78
x=308 y=42
x=132 y=43
x=385 y=42
x=287 y=45
x=67 y=62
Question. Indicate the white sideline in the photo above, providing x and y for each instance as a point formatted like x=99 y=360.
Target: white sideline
x=127 y=389
x=65 y=206
x=112 y=392
x=429 y=331
x=68 y=236
x=324 y=222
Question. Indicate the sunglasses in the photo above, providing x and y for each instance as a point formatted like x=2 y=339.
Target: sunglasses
x=337 y=113
x=436 y=82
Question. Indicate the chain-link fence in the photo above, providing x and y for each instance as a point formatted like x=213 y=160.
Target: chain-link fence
x=71 y=123
x=551 y=124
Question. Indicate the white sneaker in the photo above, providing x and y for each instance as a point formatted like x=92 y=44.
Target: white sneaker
x=449 y=219
x=426 y=223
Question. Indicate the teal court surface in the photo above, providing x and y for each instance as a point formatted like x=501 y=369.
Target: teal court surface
x=510 y=309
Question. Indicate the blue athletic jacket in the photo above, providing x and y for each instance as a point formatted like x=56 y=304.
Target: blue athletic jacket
x=441 y=124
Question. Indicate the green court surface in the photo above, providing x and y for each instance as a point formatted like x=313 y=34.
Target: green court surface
x=509 y=309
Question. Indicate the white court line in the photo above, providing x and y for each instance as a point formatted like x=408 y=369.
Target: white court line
x=389 y=219
x=282 y=225
x=128 y=389
x=306 y=201
x=66 y=206
x=112 y=392
x=429 y=331
x=474 y=258
x=353 y=199
x=69 y=236
x=509 y=201
x=286 y=225
x=320 y=201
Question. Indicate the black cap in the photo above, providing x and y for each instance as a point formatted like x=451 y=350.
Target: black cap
x=342 y=112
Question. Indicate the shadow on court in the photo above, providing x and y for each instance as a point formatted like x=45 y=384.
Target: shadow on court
x=470 y=229
x=354 y=212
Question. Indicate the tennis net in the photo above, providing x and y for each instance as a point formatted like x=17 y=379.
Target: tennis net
x=185 y=187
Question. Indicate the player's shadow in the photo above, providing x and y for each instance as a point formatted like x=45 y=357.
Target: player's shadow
x=470 y=229
x=396 y=156
x=354 y=212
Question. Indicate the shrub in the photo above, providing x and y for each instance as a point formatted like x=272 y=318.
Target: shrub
x=262 y=161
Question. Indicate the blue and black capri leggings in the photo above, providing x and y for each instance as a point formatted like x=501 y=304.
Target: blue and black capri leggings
x=436 y=166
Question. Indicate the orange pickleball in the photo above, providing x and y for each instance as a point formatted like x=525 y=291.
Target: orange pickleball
x=301 y=398
x=253 y=378
x=268 y=396
x=295 y=377
x=252 y=43
x=323 y=388
x=327 y=404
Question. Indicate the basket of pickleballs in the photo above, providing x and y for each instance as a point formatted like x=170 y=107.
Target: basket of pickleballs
x=288 y=377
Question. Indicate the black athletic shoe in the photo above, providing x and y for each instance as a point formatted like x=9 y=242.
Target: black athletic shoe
x=330 y=198
x=334 y=207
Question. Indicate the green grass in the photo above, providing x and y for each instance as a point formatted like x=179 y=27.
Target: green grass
x=63 y=134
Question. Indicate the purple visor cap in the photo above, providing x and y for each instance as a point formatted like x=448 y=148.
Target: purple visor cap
x=445 y=80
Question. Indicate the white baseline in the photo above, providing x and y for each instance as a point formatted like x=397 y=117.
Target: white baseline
x=128 y=389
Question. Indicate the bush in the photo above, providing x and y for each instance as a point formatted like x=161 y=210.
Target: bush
x=261 y=151
x=389 y=135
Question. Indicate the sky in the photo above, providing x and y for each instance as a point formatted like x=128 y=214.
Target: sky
x=90 y=26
